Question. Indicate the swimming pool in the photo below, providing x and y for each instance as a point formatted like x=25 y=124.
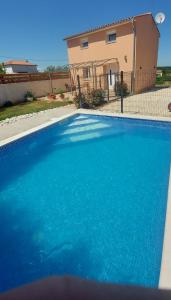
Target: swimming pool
x=86 y=196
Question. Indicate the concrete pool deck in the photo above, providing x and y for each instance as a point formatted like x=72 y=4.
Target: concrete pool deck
x=19 y=124
x=30 y=126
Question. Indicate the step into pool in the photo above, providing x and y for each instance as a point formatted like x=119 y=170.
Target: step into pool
x=86 y=196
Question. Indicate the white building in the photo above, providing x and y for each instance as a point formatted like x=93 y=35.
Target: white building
x=14 y=66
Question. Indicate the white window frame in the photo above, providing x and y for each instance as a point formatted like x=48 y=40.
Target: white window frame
x=89 y=73
x=84 y=41
x=107 y=37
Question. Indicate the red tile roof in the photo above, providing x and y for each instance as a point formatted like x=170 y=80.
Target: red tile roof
x=105 y=26
x=19 y=62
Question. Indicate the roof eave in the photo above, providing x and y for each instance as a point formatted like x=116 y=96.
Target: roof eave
x=6 y=65
x=86 y=33
x=108 y=26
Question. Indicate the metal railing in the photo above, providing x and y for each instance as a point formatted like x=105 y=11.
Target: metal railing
x=125 y=92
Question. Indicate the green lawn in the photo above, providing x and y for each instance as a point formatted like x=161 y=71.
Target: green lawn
x=30 y=107
x=163 y=83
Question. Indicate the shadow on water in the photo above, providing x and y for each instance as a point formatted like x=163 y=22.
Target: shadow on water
x=17 y=248
x=74 y=260
x=22 y=259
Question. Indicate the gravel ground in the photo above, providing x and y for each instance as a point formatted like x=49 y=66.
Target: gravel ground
x=154 y=103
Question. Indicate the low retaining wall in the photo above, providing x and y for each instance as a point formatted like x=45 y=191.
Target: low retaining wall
x=15 y=92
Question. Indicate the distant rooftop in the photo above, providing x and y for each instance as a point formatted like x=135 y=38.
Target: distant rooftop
x=106 y=26
x=19 y=62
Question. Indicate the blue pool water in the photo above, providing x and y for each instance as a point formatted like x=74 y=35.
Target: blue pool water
x=85 y=197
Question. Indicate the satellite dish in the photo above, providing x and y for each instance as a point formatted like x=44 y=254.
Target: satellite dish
x=159 y=18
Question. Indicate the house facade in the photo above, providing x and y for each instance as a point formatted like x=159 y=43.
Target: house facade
x=14 y=67
x=129 y=45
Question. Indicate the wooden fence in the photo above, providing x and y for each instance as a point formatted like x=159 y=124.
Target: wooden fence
x=25 y=77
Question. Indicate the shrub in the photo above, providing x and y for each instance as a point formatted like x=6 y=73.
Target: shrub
x=80 y=101
x=96 y=97
x=59 y=91
x=166 y=77
x=159 y=80
x=28 y=94
x=124 y=88
x=8 y=104
x=90 y=99
x=2 y=69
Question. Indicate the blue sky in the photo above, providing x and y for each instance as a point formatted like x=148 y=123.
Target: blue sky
x=35 y=29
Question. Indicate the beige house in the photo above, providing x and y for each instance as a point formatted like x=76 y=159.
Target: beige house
x=129 y=45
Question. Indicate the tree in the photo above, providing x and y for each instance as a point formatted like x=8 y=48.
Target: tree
x=52 y=69
x=2 y=70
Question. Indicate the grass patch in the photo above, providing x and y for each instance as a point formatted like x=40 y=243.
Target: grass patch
x=163 y=83
x=30 y=107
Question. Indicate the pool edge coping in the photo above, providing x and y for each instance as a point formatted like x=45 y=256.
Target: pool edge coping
x=165 y=269
x=81 y=111
x=36 y=128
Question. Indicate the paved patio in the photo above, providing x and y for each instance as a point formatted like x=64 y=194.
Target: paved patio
x=154 y=102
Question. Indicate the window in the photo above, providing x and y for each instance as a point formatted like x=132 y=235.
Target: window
x=84 y=43
x=111 y=37
x=86 y=73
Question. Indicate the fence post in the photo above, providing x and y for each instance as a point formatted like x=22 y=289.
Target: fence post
x=132 y=82
x=107 y=87
x=51 y=86
x=70 y=78
x=121 y=91
x=100 y=82
x=79 y=90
